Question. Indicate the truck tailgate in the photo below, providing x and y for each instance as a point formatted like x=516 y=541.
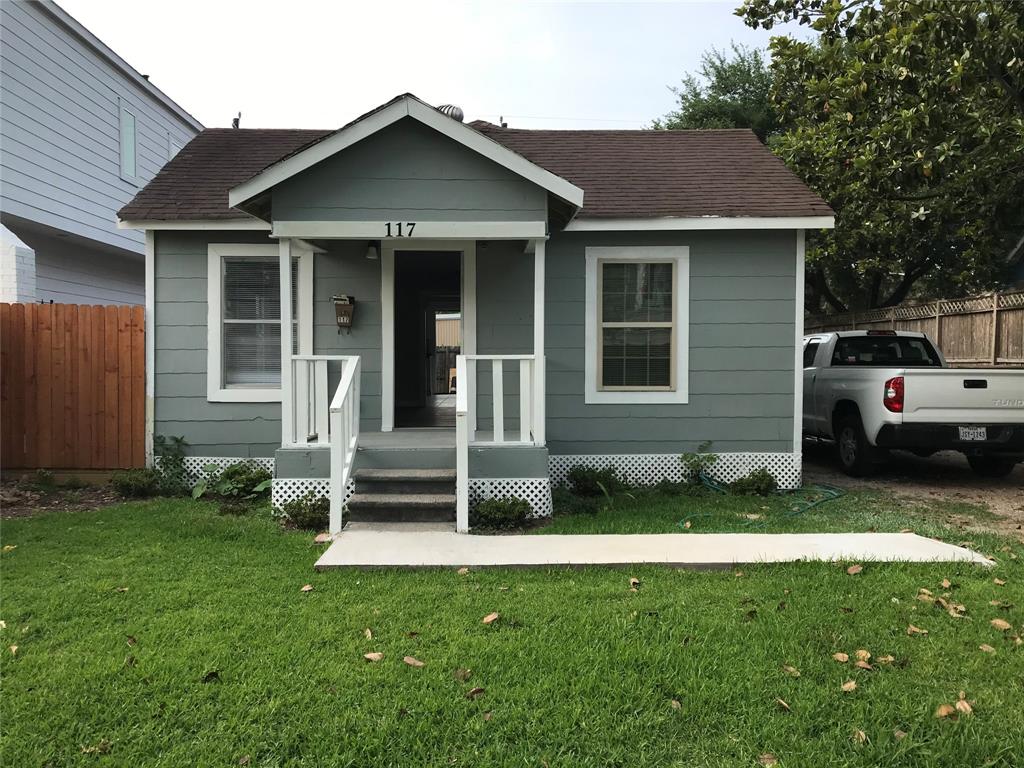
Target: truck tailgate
x=963 y=396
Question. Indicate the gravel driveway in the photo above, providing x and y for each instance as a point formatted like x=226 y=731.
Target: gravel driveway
x=944 y=475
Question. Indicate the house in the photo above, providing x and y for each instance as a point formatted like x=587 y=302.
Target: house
x=82 y=133
x=624 y=297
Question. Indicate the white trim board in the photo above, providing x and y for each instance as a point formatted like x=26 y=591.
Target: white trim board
x=680 y=254
x=378 y=230
x=405 y=106
x=701 y=222
x=196 y=224
x=215 y=391
x=150 y=322
x=388 y=249
x=798 y=362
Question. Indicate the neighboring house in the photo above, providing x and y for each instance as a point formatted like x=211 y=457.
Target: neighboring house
x=630 y=296
x=81 y=132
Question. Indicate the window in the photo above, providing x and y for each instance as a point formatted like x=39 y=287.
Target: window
x=635 y=342
x=636 y=324
x=128 y=143
x=809 y=352
x=885 y=351
x=244 y=316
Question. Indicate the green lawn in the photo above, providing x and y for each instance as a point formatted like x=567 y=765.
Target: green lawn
x=210 y=655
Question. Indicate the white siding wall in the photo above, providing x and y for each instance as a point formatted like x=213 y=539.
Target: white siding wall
x=59 y=138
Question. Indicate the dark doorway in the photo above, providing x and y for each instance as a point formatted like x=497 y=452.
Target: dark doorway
x=427 y=300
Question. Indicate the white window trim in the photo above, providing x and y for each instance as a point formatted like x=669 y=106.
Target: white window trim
x=680 y=254
x=123 y=107
x=216 y=392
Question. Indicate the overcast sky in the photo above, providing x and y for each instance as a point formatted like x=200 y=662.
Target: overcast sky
x=318 y=64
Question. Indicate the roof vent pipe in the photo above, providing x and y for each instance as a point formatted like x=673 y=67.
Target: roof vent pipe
x=455 y=113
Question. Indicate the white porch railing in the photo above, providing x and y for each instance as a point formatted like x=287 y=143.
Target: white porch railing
x=530 y=421
x=320 y=419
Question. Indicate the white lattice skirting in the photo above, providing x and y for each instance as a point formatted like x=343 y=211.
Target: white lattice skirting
x=285 y=489
x=534 y=490
x=195 y=466
x=651 y=468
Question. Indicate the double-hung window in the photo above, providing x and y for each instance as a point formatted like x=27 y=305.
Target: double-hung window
x=636 y=324
x=244 y=315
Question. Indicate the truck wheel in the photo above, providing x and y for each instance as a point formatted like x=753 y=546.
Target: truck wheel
x=991 y=466
x=856 y=456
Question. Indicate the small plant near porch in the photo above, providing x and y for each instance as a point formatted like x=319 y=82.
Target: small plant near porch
x=308 y=513
x=499 y=514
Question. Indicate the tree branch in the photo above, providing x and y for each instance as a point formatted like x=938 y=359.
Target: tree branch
x=821 y=286
x=911 y=276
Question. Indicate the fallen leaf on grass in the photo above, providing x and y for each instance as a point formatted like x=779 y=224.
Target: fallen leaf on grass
x=859 y=737
x=849 y=686
x=488 y=715
x=853 y=570
x=3 y=624
x=307 y=588
x=368 y=633
x=100 y=748
x=1000 y=604
x=963 y=706
x=10 y=547
x=783 y=705
x=946 y=584
x=675 y=703
x=945 y=710
x=375 y=656
x=987 y=648
x=791 y=671
x=413 y=662
x=322 y=538
x=687 y=525
x=1001 y=624
x=130 y=639
x=841 y=657
x=473 y=693
x=887 y=659
x=999 y=582
x=738 y=574
x=14 y=650
x=912 y=630
x=634 y=584
x=129 y=661
x=463 y=571
x=767 y=759
x=120 y=589
x=900 y=735
x=490 y=618
x=462 y=674
x=862 y=654
x=244 y=760
x=864 y=665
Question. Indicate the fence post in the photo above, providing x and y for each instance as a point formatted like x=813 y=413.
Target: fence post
x=938 y=323
x=995 y=327
x=892 y=317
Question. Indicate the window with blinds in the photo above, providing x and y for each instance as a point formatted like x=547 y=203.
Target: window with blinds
x=636 y=329
x=251 y=302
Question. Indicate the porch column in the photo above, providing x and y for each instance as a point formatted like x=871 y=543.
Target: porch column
x=539 y=364
x=287 y=401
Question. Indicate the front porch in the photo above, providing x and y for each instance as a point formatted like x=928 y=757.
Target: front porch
x=339 y=411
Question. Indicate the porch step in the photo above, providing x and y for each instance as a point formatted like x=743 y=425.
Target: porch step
x=405 y=481
x=401 y=507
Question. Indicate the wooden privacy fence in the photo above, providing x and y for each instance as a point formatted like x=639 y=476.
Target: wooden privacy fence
x=979 y=330
x=72 y=386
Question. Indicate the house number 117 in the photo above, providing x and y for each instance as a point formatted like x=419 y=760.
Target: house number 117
x=400 y=228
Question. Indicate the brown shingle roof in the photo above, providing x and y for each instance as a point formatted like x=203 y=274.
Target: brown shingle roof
x=624 y=174
x=640 y=174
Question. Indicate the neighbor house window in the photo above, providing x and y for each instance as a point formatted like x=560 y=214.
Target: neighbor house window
x=244 y=315
x=637 y=324
x=128 y=141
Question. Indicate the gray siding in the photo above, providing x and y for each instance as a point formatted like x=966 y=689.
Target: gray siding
x=60 y=129
x=181 y=407
x=742 y=337
x=408 y=171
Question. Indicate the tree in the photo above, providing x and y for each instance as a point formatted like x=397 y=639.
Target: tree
x=730 y=91
x=908 y=117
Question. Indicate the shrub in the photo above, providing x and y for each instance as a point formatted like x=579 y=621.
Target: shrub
x=669 y=488
x=698 y=462
x=311 y=512
x=760 y=482
x=137 y=483
x=564 y=502
x=42 y=480
x=587 y=481
x=244 y=481
x=171 y=465
x=499 y=514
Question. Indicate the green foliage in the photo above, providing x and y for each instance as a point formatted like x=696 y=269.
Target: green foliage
x=499 y=514
x=760 y=482
x=310 y=513
x=565 y=502
x=137 y=483
x=243 y=481
x=730 y=91
x=908 y=117
x=587 y=481
x=171 y=465
x=700 y=461
x=42 y=480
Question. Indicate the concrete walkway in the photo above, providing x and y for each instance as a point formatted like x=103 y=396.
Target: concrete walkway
x=425 y=546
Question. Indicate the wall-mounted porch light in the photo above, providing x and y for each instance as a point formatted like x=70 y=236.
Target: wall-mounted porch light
x=344 y=311
x=371 y=250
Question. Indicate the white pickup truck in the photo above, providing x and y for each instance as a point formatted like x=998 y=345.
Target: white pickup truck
x=870 y=391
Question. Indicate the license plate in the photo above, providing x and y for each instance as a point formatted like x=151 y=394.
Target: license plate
x=973 y=433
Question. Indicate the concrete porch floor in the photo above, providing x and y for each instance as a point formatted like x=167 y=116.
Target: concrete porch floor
x=404 y=545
